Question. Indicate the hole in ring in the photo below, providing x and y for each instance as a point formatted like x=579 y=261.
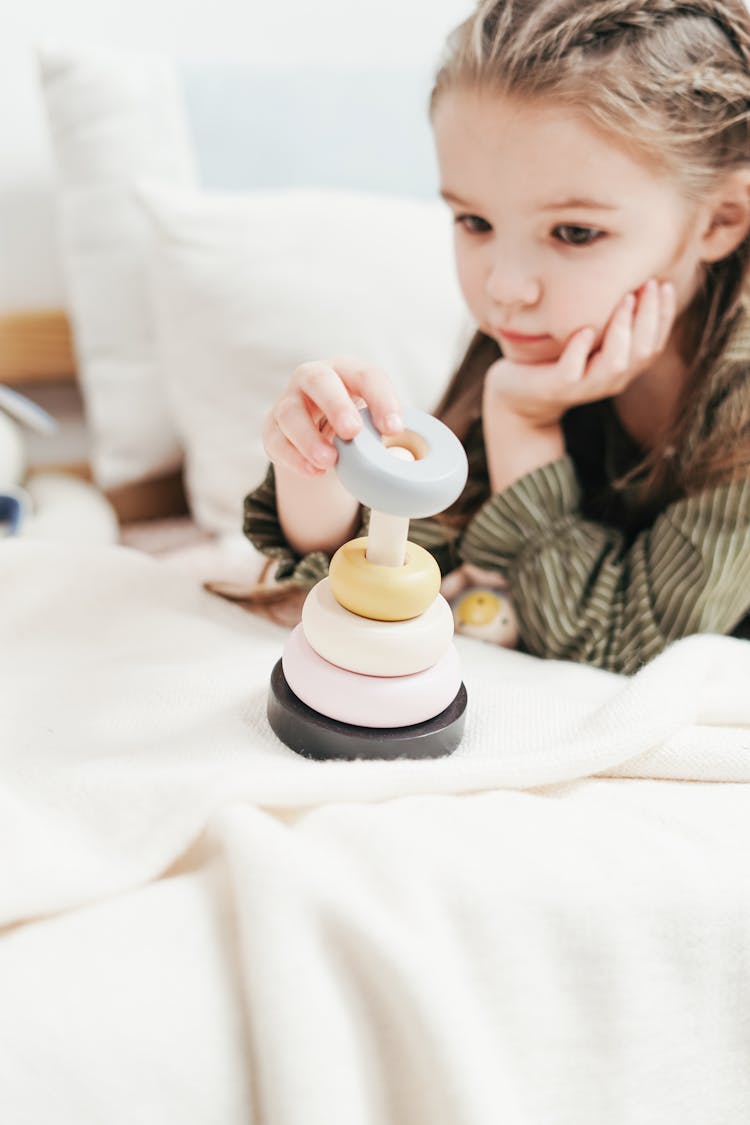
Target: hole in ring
x=407 y=439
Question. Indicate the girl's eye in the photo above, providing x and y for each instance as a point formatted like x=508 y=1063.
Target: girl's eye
x=472 y=223
x=571 y=235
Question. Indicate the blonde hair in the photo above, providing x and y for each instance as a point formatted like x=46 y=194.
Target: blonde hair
x=671 y=81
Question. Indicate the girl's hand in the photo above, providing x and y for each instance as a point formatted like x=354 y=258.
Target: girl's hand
x=636 y=334
x=320 y=402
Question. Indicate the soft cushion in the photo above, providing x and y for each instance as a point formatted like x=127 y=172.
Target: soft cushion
x=248 y=286
x=113 y=117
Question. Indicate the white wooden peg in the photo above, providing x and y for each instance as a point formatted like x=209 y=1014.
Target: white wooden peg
x=386 y=539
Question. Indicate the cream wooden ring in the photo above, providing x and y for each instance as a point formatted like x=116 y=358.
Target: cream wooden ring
x=422 y=487
x=375 y=648
x=369 y=701
x=384 y=593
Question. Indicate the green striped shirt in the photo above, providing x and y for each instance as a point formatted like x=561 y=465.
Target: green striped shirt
x=593 y=577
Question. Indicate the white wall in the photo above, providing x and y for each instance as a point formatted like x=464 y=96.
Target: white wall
x=290 y=30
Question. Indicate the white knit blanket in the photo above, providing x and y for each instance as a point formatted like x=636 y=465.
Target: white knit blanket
x=199 y=926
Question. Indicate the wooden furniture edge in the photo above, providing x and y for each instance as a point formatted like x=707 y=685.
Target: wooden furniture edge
x=153 y=499
x=36 y=347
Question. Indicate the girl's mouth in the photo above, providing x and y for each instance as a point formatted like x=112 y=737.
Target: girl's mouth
x=518 y=338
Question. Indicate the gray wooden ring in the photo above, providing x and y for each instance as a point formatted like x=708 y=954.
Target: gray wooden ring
x=412 y=489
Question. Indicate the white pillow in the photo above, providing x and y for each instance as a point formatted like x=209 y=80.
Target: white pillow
x=113 y=117
x=246 y=287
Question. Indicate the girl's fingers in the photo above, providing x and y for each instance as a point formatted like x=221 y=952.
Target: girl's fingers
x=667 y=311
x=572 y=363
x=614 y=356
x=375 y=388
x=646 y=323
x=325 y=394
x=336 y=389
x=638 y=331
x=294 y=423
x=321 y=403
x=282 y=452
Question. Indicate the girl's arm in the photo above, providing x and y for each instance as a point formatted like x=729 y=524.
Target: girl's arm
x=514 y=447
x=578 y=592
x=581 y=593
x=262 y=526
x=315 y=514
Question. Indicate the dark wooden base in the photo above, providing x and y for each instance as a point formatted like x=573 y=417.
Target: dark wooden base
x=315 y=736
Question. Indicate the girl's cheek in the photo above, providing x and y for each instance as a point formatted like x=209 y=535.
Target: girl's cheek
x=467 y=282
x=588 y=308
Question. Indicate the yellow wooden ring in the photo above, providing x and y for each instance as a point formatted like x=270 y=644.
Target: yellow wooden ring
x=384 y=593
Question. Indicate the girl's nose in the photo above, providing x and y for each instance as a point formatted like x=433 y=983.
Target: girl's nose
x=509 y=285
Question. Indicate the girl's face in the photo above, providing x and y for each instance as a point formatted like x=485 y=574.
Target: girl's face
x=554 y=222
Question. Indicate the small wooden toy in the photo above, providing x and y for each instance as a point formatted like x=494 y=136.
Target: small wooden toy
x=481 y=604
x=371 y=671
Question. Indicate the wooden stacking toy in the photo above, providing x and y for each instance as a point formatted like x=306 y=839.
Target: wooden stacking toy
x=372 y=671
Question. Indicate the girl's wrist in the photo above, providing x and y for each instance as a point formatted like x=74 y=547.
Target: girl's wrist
x=516 y=446
x=315 y=514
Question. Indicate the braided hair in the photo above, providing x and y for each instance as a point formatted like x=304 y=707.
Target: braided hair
x=671 y=80
x=546 y=32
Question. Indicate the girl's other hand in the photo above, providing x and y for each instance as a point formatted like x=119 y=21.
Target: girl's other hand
x=322 y=401
x=637 y=332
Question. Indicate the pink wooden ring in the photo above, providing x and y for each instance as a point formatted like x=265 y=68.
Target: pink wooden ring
x=369 y=701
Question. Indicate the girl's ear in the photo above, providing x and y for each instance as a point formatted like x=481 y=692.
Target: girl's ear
x=728 y=218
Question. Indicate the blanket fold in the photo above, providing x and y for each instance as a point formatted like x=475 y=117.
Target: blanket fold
x=197 y=925
x=133 y=707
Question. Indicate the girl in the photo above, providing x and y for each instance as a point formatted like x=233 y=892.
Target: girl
x=597 y=161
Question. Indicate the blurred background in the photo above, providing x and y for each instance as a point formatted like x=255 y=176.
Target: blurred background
x=237 y=57
x=404 y=34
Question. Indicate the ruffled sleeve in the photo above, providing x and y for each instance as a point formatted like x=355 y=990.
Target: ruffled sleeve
x=262 y=527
